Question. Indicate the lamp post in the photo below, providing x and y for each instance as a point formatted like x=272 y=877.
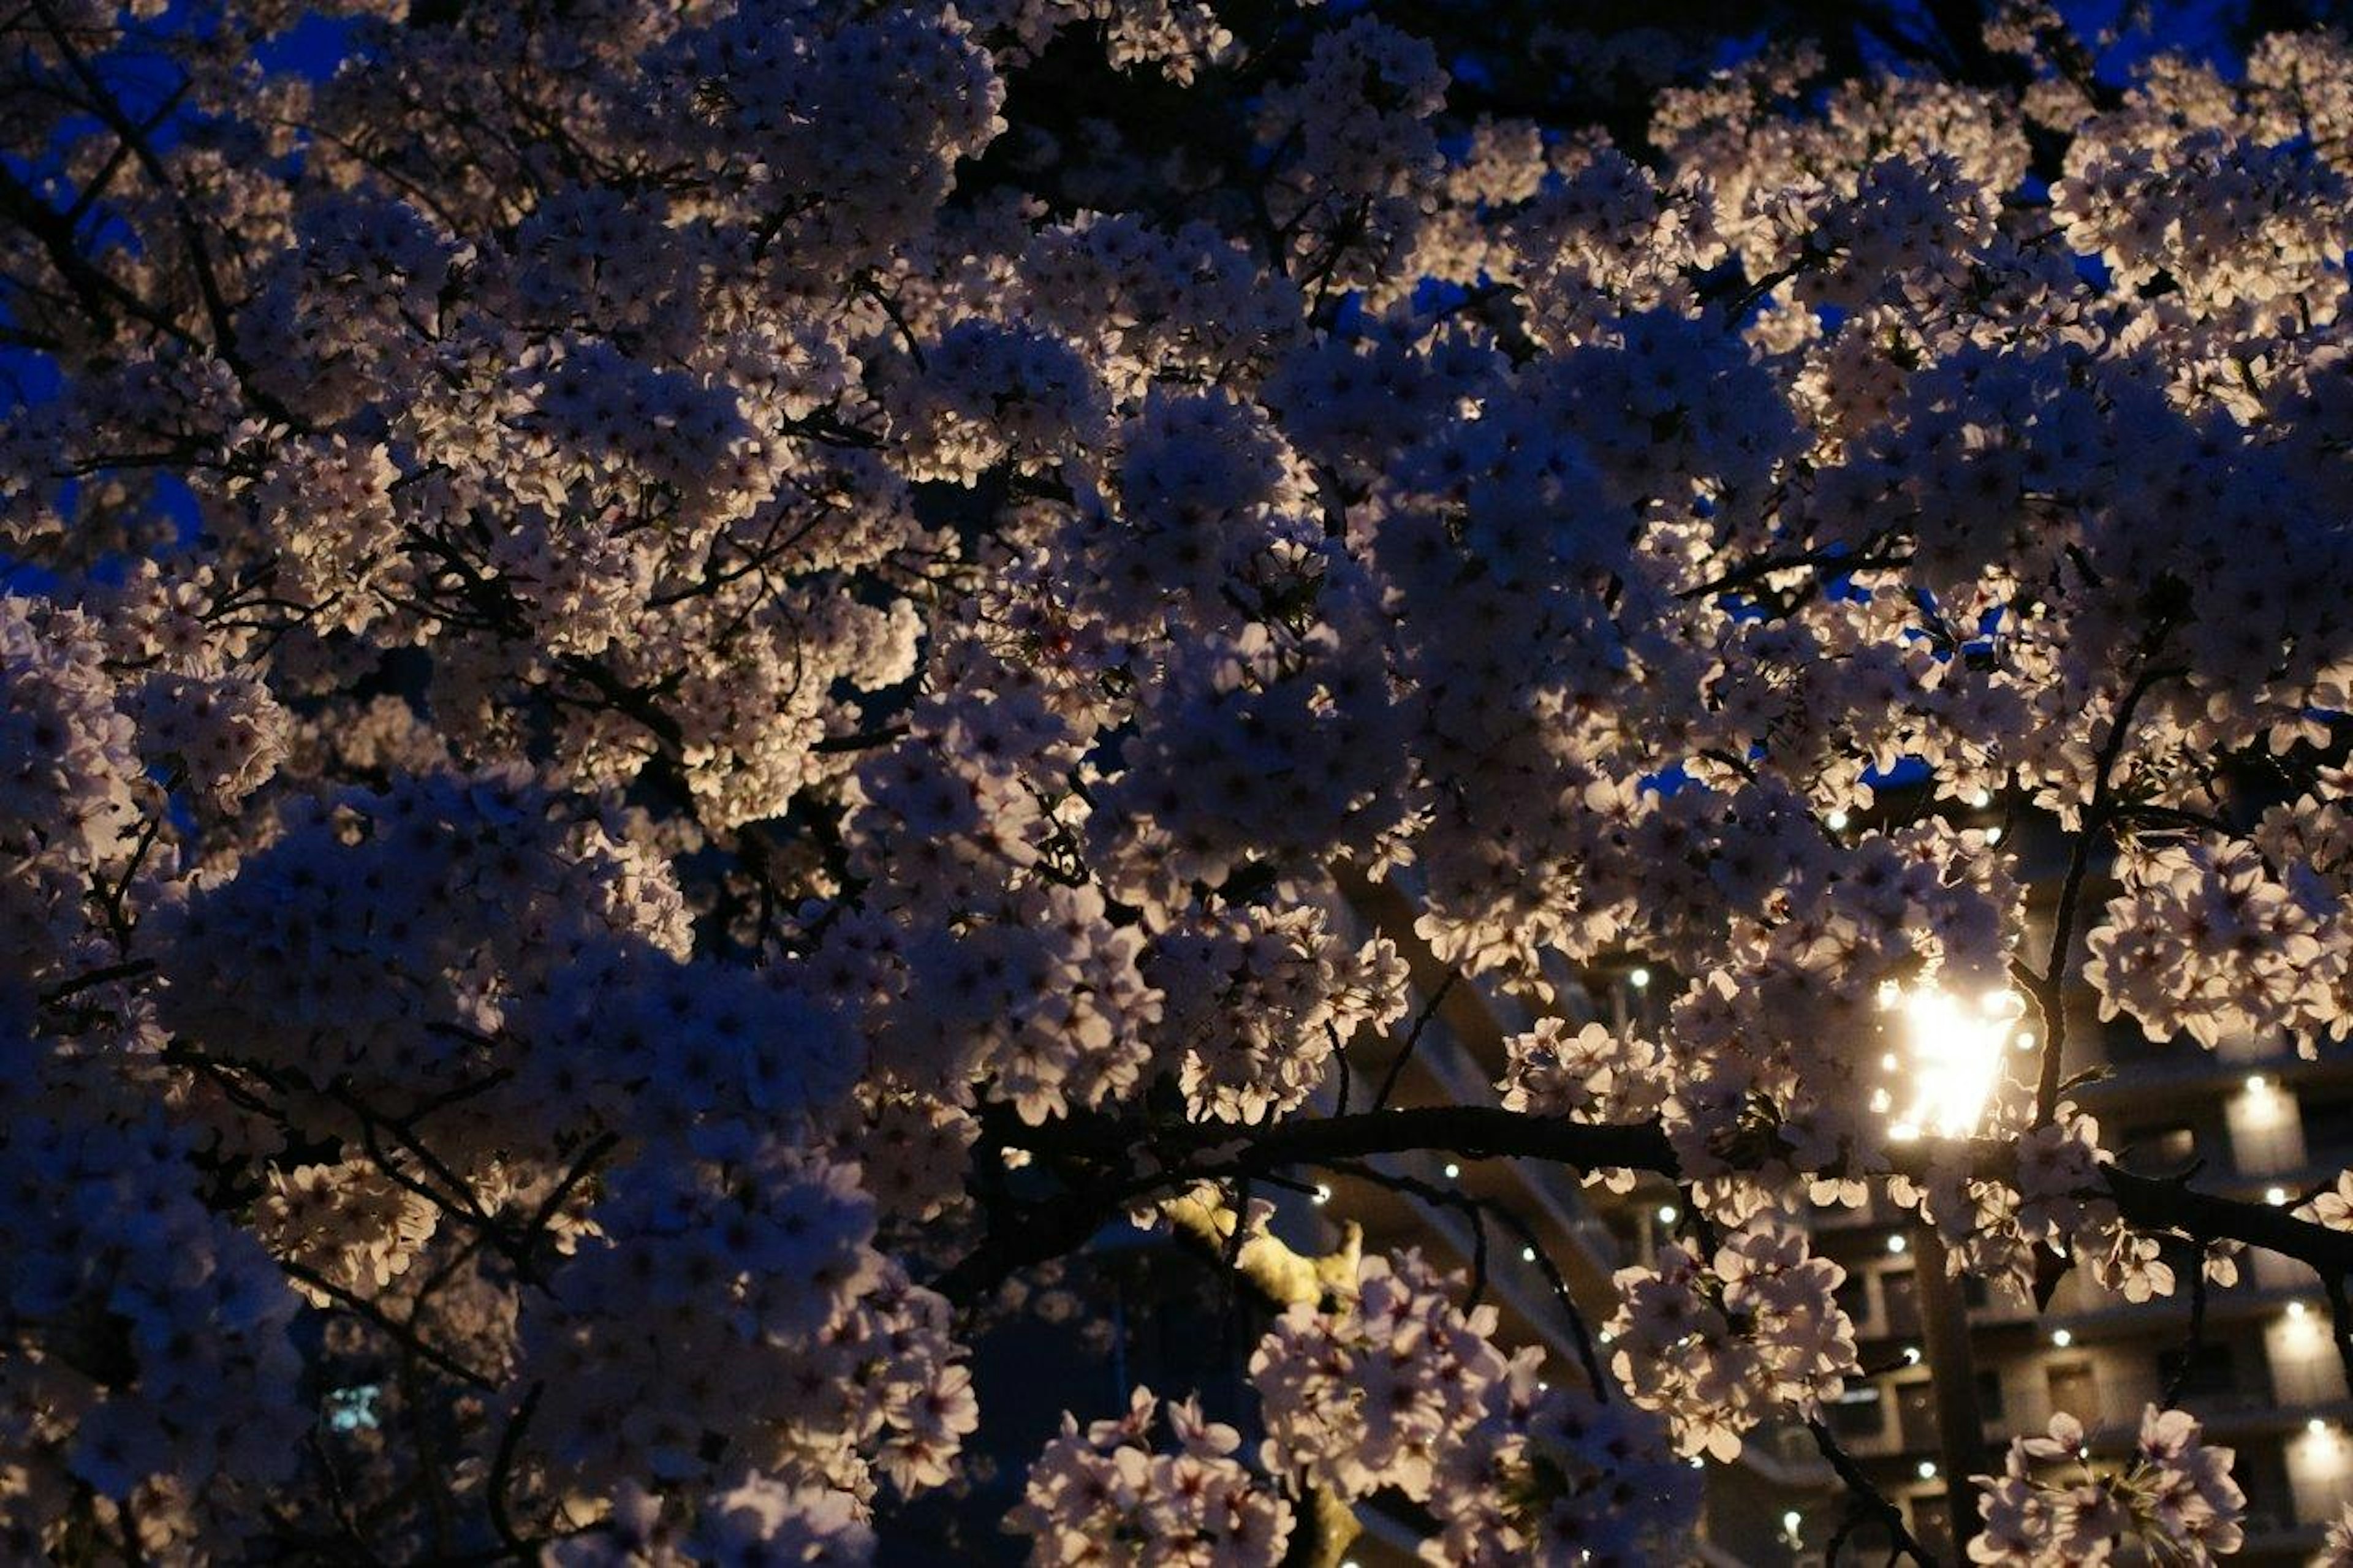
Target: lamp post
x=1945 y=1064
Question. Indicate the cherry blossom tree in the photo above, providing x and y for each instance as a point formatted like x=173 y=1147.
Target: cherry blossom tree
x=686 y=685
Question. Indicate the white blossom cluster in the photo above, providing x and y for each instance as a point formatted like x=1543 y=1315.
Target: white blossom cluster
x=1105 y=1496
x=731 y=1316
x=1555 y=1475
x=1376 y=1394
x=2175 y=1500
x=150 y=1360
x=1257 y=1002
x=682 y=685
x=1394 y=1386
x=1715 y=1345
x=2210 y=942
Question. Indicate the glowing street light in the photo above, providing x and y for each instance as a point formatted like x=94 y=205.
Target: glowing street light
x=1951 y=1055
x=1942 y=1073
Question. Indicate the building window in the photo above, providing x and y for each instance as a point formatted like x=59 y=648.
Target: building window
x=2212 y=1372
x=1931 y=1522
x=1989 y=1406
x=1899 y=1301
x=2260 y=1472
x=2075 y=1390
x=2164 y=1146
x=1853 y=1296
x=1859 y=1411
x=1915 y=1408
x=2327 y=1121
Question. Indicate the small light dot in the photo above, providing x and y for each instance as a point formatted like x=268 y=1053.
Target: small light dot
x=1323 y=1194
x=1993 y=834
x=2063 y=1338
x=2295 y=1309
x=2257 y=1083
x=1698 y=1463
x=2315 y=1426
x=2275 y=1196
x=1639 y=978
x=1981 y=799
x=1911 y=1355
x=1927 y=1470
x=2025 y=1040
x=1669 y=1213
x=1895 y=1244
x=1791 y=1519
x=1836 y=820
x=1452 y=1169
x=1528 y=1255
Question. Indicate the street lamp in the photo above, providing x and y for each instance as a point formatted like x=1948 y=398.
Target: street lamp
x=1948 y=1062
x=1943 y=1070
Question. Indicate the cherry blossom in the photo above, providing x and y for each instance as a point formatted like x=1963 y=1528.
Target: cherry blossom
x=695 y=698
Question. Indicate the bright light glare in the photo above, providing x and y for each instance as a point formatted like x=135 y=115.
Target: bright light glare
x=1953 y=1050
x=1639 y=979
x=2275 y=1196
x=1927 y=1470
x=2062 y=1338
x=1895 y=1244
x=1836 y=820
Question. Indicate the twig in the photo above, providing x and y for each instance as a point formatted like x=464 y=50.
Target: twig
x=1867 y=1497
x=494 y=1488
x=2050 y=998
x=1413 y=1039
x=404 y=1334
x=2197 y=1341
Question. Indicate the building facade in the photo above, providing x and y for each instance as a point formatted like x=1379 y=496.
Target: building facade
x=2253 y=1119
